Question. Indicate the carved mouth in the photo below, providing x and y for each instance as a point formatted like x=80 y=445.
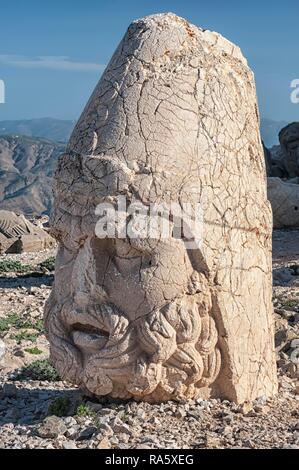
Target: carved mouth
x=89 y=338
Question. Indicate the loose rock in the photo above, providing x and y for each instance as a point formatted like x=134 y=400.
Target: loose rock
x=52 y=427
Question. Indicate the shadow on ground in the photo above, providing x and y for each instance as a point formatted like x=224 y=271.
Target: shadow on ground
x=30 y=406
x=286 y=276
x=26 y=280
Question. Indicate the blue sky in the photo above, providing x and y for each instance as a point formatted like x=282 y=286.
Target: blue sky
x=52 y=52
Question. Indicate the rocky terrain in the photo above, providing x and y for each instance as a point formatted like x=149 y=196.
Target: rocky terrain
x=37 y=410
x=282 y=164
x=283 y=160
x=27 y=165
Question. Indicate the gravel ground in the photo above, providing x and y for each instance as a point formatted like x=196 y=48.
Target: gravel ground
x=28 y=403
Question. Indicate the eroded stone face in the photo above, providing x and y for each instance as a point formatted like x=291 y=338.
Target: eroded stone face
x=289 y=142
x=136 y=321
x=173 y=119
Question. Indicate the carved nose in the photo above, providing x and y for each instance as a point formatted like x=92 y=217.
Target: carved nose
x=83 y=299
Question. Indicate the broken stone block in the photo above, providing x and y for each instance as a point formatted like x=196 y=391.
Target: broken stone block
x=284 y=198
x=17 y=234
x=173 y=121
x=32 y=243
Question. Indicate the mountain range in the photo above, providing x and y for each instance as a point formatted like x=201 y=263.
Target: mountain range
x=29 y=150
x=47 y=128
x=26 y=168
x=60 y=130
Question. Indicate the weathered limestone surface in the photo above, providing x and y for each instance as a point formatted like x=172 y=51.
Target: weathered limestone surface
x=289 y=142
x=283 y=162
x=284 y=197
x=17 y=234
x=173 y=118
x=276 y=162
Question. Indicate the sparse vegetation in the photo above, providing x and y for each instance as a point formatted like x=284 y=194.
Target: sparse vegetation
x=18 y=322
x=124 y=417
x=25 y=336
x=14 y=320
x=8 y=265
x=39 y=370
x=39 y=326
x=4 y=325
x=290 y=304
x=33 y=350
x=48 y=264
x=85 y=410
x=59 y=407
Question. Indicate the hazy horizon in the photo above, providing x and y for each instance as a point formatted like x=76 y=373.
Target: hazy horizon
x=74 y=120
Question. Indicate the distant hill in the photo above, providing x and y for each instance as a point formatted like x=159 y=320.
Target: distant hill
x=60 y=130
x=29 y=150
x=46 y=128
x=270 y=130
x=27 y=165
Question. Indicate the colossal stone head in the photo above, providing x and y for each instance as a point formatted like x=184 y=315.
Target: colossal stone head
x=289 y=142
x=173 y=120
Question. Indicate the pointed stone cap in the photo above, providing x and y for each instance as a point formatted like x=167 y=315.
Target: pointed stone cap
x=152 y=47
x=181 y=30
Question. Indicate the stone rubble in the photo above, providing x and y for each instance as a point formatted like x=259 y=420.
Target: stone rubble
x=24 y=404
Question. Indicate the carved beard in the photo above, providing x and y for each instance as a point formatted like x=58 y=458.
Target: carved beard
x=170 y=351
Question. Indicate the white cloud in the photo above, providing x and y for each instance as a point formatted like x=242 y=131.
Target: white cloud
x=50 y=62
